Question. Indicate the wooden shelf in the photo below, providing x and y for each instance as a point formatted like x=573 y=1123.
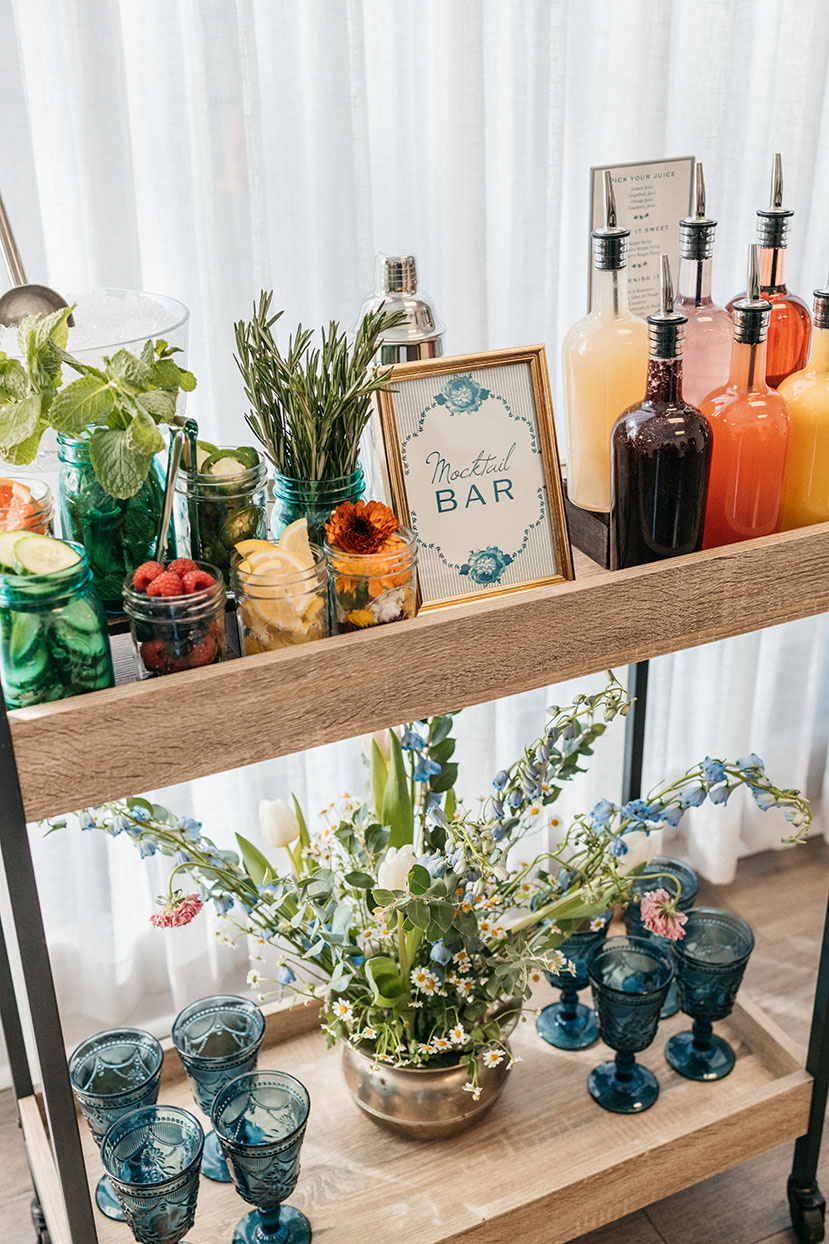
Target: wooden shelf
x=142 y=736
x=546 y=1165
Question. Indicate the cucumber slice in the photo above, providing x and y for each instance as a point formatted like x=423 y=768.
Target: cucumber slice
x=42 y=555
x=8 y=539
x=82 y=616
x=24 y=636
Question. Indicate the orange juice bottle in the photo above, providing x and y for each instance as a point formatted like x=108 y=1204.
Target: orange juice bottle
x=750 y=426
x=806 y=482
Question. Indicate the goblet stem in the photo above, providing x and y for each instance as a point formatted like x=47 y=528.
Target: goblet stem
x=568 y=1012
x=702 y=1030
x=625 y=1064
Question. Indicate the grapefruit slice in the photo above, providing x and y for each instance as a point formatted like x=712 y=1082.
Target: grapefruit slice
x=15 y=504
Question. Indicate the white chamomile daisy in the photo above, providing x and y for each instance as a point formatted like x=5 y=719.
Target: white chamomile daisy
x=342 y=1010
x=491 y=1058
x=254 y=978
x=458 y=1034
x=368 y=1033
x=465 y=988
x=440 y=1045
x=474 y=1089
x=419 y=977
x=596 y=924
x=424 y=1048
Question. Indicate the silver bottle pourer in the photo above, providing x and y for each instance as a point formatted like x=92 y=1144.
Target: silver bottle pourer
x=696 y=233
x=610 y=241
x=821 y=316
x=773 y=221
x=421 y=334
x=751 y=314
x=666 y=327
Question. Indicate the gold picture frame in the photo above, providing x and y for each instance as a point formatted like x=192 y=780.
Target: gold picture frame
x=423 y=391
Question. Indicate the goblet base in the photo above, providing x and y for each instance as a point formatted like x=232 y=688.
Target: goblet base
x=213 y=1164
x=630 y=1094
x=294 y=1228
x=671 y=1003
x=713 y=1062
x=107 y=1202
x=567 y=1032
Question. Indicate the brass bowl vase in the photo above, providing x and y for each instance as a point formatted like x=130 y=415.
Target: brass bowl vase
x=422 y=1103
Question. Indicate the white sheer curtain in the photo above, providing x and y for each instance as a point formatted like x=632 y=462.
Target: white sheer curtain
x=209 y=148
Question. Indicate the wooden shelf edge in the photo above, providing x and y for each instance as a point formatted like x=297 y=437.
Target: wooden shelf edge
x=44 y=1171
x=143 y=736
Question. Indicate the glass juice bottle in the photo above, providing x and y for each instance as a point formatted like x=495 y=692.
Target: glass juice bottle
x=660 y=453
x=791 y=323
x=707 y=351
x=750 y=424
x=604 y=359
x=806 y=393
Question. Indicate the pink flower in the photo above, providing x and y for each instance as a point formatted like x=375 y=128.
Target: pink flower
x=659 y=915
x=180 y=909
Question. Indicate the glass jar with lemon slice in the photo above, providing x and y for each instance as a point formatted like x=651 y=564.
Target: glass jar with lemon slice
x=223 y=504
x=53 y=635
x=281 y=591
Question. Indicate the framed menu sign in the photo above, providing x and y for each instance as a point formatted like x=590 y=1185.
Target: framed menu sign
x=473 y=469
x=651 y=199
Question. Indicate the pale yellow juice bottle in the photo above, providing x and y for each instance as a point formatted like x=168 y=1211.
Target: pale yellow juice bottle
x=806 y=481
x=605 y=364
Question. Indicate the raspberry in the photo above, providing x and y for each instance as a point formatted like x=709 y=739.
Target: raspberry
x=181 y=566
x=203 y=653
x=154 y=655
x=196 y=580
x=144 y=575
x=166 y=584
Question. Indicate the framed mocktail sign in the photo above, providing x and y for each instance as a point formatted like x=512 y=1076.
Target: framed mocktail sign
x=651 y=199
x=473 y=469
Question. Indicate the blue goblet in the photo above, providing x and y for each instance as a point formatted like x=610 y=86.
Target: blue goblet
x=568 y=1024
x=630 y=977
x=152 y=1157
x=217 y=1039
x=677 y=878
x=112 y=1074
x=260 y=1121
x=711 y=960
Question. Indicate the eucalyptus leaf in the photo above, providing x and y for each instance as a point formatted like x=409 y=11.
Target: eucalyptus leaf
x=419 y=879
x=359 y=880
x=418 y=912
x=441 y=729
x=444 y=780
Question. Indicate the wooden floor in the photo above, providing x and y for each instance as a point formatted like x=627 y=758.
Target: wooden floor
x=783 y=896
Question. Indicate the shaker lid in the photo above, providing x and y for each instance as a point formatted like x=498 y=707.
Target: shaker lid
x=610 y=240
x=751 y=314
x=395 y=274
x=666 y=327
x=696 y=233
x=773 y=221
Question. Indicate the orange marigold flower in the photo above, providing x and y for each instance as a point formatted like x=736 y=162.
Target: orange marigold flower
x=361 y=528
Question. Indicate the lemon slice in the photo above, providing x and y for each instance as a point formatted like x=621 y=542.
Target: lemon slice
x=294 y=540
x=245 y=547
x=279 y=563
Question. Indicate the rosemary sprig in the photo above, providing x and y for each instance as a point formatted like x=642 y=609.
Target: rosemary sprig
x=310 y=406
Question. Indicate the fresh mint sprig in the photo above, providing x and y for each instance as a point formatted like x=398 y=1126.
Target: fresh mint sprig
x=118 y=408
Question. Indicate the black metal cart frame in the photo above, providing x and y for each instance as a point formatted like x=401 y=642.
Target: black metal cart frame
x=805 y=1199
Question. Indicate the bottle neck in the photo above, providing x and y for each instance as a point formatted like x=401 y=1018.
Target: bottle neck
x=748 y=366
x=694 y=283
x=610 y=292
x=819 y=353
x=664 y=380
x=773 y=268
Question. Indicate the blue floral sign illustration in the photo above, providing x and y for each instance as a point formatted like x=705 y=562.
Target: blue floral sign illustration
x=461 y=395
x=486 y=565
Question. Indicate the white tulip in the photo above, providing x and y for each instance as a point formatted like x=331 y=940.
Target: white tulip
x=641 y=848
x=278 y=822
x=395 y=868
x=383 y=740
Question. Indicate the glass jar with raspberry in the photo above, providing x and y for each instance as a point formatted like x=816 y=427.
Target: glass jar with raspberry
x=176 y=615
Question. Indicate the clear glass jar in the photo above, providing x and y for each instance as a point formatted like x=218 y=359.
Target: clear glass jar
x=278 y=611
x=371 y=589
x=175 y=633
x=213 y=514
x=312 y=499
x=53 y=636
x=118 y=535
x=26 y=513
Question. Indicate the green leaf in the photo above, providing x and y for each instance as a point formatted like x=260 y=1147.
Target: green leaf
x=24 y=452
x=451 y=805
x=304 y=836
x=79 y=405
x=135 y=801
x=14 y=382
x=384 y=898
x=130 y=371
x=384 y=980
x=256 y=866
x=359 y=880
x=442 y=751
x=397 y=804
x=148 y=352
x=120 y=468
x=419 y=879
x=418 y=912
x=158 y=403
x=341 y=979
x=187 y=381
x=441 y=729
x=53 y=327
x=18 y=422
x=168 y=375
x=444 y=780
x=379 y=777
x=144 y=435
x=442 y=913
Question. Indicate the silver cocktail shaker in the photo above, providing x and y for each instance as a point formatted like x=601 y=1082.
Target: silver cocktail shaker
x=421 y=336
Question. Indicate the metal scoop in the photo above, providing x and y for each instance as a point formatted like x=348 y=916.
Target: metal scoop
x=23 y=299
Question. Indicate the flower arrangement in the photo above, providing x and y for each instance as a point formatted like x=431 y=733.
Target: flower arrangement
x=373 y=561
x=420 y=926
